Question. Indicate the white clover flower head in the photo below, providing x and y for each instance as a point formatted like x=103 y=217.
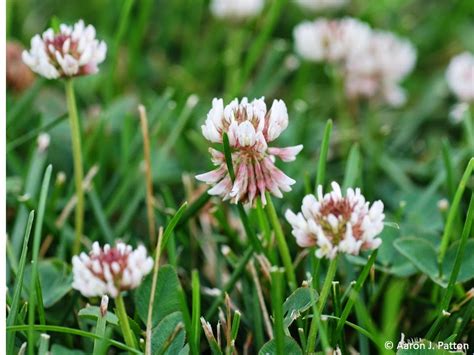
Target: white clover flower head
x=73 y=51
x=321 y=5
x=334 y=223
x=236 y=10
x=460 y=77
x=378 y=69
x=110 y=270
x=330 y=40
x=250 y=127
x=373 y=62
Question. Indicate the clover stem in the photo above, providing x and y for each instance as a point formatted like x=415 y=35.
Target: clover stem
x=78 y=167
x=128 y=336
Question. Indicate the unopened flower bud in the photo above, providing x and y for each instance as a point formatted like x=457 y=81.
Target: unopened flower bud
x=104 y=304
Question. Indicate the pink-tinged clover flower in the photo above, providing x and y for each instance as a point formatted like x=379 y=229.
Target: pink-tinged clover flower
x=250 y=127
x=378 y=70
x=330 y=40
x=110 y=270
x=73 y=51
x=372 y=63
x=334 y=223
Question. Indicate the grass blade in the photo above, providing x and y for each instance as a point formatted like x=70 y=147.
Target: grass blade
x=352 y=168
x=281 y=242
x=355 y=291
x=72 y=331
x=323 y=156
x=443 y=306
x=15 y=305
x=196 y=312
x=34 y=132
x=35 y=253
x=277 y=305
x=172 y=224
x=453 y=211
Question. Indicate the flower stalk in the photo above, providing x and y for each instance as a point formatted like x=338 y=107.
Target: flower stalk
x=281 y=242
x=128 y=336
x=78 y=166
x=313 y=331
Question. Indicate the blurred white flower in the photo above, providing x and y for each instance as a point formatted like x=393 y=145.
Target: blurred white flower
x=460 y=77
x=321 y=5
x=378 y=70
x=110 y=270
x=250 y=127
x=236 y=9
x=337 y=224
x=373 y=63
x=330 y=40
x=72 y=51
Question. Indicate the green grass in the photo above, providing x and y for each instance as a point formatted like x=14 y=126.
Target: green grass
x=174 y=57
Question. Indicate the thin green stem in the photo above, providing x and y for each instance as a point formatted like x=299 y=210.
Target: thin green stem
x=313 y=331
x=119 y=34
x=128 y=336
x=468 y=126
x=72 y=331
x=277 y=305
x=151 y=302
x=35 y=257
x=15 y=304
x=78 y=167
x=281 y=242
x=196 y=311
x=259 y=43
x=454 y=210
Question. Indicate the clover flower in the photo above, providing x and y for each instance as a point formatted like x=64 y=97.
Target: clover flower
x=460 y=78
x=334 y=223
x=73 y=51
x=372 y=63
x=250 y=127
x=236 y=10
x=377 y=70
x=110 y=270
x=330 y=40
x=321 y=5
